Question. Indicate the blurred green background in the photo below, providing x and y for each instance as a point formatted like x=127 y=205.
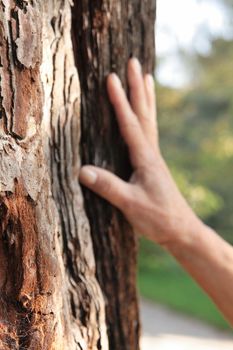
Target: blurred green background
x=196 y=138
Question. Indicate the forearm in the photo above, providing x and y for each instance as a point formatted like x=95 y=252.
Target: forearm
x=151 y=201
x=209 y=260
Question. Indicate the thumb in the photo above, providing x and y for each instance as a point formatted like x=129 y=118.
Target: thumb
x=106 y=185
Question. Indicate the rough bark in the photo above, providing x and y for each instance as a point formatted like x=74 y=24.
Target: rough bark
x=106 y=33
x=54 y=288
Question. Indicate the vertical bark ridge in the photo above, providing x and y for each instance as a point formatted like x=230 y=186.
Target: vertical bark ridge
x=49 y=296
x=105 y=34
x=64 y=129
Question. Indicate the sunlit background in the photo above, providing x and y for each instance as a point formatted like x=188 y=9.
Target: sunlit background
x=194 y=85
x=187 y=27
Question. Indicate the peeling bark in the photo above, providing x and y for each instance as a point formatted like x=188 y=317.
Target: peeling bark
x=63 y=283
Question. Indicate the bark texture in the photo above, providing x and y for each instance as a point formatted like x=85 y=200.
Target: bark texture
x=55 y=289
x=50 y=298
x=106 y=33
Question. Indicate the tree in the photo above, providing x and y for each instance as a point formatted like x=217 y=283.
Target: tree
x=67 y=274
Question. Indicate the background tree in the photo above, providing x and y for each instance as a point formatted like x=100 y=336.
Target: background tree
x=66 y=281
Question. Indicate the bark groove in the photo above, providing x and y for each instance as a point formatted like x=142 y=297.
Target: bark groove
x=105 y=34
x=49 y=295
x=64 y=285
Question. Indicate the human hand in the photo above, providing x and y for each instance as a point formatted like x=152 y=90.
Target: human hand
x=151 y=201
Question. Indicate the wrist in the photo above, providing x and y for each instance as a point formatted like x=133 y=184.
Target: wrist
x=185 y=240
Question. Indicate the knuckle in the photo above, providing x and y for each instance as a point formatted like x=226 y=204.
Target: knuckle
x=125 y=203
x=145 y=113
x=145 y=117
x=104 y=185
x=128 y=202
x=129 y=125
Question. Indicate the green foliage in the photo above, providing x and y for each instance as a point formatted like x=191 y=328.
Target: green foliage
x=203 y=201
x=196 y=137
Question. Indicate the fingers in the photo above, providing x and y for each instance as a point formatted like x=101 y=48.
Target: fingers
x=142 y=98
x=106 y=185
x=151 y=100
x=138 y=98
x=128 y=122
x=150 y=95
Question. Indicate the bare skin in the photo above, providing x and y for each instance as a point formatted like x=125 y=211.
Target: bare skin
x=151 y=201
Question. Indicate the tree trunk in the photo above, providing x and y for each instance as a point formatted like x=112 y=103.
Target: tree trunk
x=106 y=35
x=64 y=283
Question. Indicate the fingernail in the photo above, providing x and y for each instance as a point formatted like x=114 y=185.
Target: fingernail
x=115 y=79
x=149 y=81
x=136 y=65
x=88 y=176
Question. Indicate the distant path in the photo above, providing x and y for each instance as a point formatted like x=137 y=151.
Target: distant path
x=164 y=329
